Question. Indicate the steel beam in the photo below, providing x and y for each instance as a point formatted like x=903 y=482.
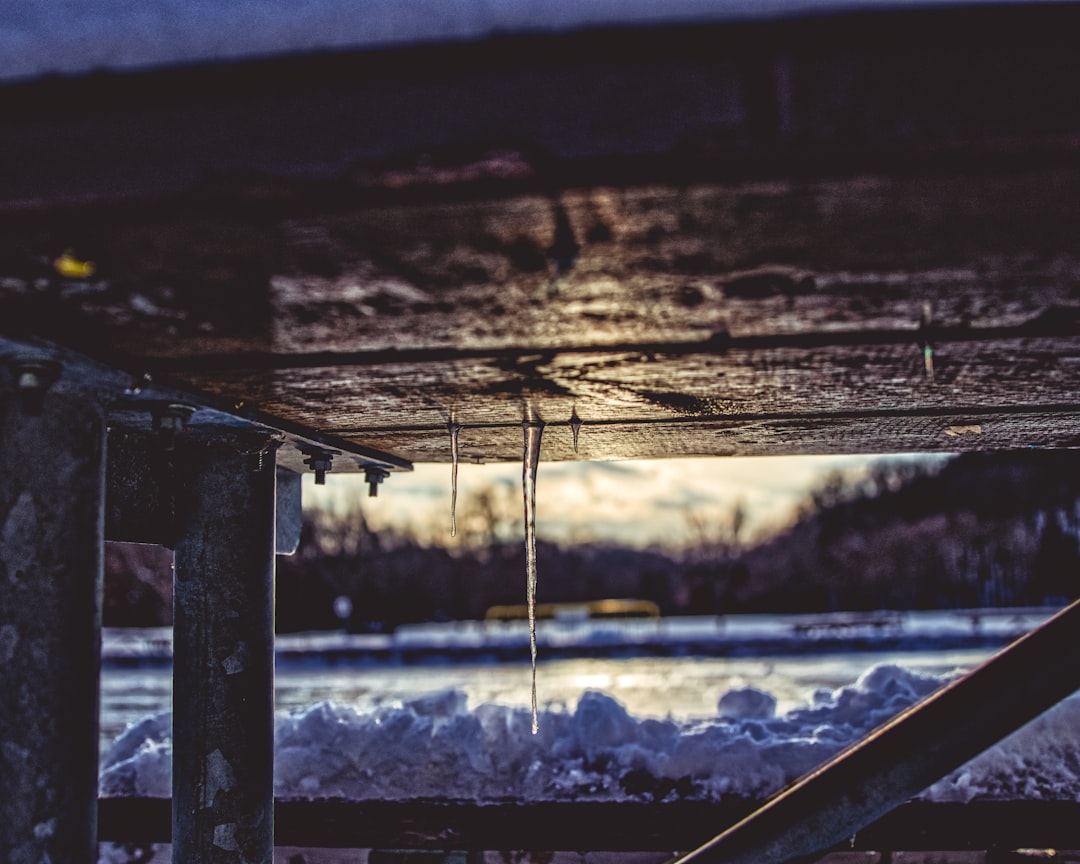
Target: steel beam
x=223 y=666
x=290 y=513
x=140 y=493
x=52 y=487
x=904 y=756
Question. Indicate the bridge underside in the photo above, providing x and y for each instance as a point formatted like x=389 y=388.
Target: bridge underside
x=844 y=234
x=833 y=235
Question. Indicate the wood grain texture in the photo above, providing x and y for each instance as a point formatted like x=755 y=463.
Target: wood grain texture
x=644 y=264
x=843 y=234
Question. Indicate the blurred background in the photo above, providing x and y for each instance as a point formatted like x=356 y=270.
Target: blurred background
x=695 y=537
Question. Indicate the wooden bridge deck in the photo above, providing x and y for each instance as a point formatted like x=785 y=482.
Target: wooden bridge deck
x=857 y=233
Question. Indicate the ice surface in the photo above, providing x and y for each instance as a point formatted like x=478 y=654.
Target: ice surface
x=742 y=635
x=436 y=746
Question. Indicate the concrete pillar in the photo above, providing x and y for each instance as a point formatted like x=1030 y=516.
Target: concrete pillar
x=223 y=661
x=52 y=488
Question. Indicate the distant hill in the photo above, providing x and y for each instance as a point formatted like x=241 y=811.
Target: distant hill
x=987 y=529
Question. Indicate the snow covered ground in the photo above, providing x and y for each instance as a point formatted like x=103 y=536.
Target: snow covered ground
x=750 y=741
x=439 y=746
x=655 y=668
x=665 y=728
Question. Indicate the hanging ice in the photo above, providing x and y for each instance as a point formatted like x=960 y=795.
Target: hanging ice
x=455 y=428
x=534 y=430
x=575 y=427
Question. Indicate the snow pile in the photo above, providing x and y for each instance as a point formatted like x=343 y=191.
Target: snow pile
x=436 y=747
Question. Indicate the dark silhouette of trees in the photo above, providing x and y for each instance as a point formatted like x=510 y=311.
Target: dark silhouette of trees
x=988 y=529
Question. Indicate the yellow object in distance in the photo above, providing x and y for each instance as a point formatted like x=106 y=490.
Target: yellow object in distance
x=70 y=267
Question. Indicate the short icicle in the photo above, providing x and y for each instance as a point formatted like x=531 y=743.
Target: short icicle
x=575 y=427
x=455 y=429
x=534 y=430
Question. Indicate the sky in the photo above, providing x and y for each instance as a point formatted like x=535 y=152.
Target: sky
x=637 y=503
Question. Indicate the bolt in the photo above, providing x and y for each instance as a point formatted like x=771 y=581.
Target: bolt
x=33 y=378
x=170 y=420
x=320 y=462
x=374 y=476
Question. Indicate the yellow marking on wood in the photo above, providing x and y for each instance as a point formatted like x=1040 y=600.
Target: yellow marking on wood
x=957 y=431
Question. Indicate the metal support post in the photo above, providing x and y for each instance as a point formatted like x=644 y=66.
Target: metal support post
x=910 y=752
x=52 y=490
x=223 y=665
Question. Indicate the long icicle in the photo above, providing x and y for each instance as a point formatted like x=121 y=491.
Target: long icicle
x=455 y=428
x=534 y=430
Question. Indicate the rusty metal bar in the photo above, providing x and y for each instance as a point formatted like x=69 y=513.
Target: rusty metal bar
x=604 y=826
x=904 y=756
x=223 y=666
x=52 y=489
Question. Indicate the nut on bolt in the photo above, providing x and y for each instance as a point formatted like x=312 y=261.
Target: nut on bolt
x=33 y=378
x=373 y=476
x=320 y=462
x=170 y=420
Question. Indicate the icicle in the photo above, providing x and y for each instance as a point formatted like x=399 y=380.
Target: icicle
x=925 y=323
x=534 y=429
x=575 y=426
x=455 y=428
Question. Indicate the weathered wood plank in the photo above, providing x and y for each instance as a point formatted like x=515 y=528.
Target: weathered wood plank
x=648 y=264
x=848 y=397
x=730 y=239
x=750 y=436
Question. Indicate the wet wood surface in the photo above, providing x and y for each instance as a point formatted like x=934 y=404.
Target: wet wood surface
x=858 y=234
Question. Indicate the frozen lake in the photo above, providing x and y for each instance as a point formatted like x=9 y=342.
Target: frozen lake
x=357 y=719
x=681 y=687
x=795 y=655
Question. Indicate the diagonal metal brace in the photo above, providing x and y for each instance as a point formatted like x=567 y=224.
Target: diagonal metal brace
x=904 y=756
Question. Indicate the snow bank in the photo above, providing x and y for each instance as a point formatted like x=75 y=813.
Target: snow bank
x=437 y=747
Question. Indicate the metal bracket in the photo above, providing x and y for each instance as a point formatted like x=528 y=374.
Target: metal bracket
x=140 y=493
x=320 y=461
x=373 y=476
